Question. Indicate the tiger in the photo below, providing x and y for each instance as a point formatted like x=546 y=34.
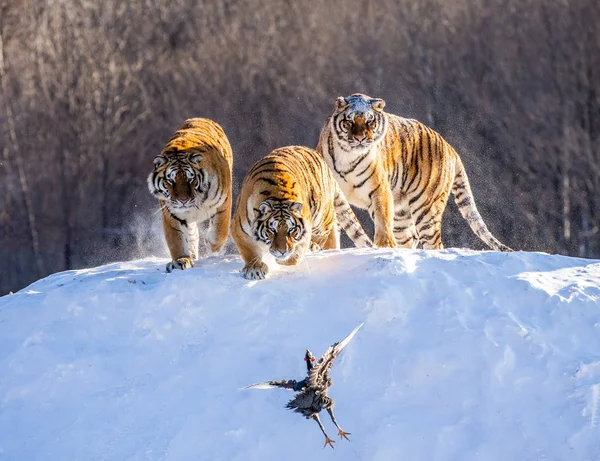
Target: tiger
x=400 y=170
x=192 y=181
x=289 y=203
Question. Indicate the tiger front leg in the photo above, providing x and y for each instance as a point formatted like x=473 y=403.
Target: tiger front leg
x=296 y=255
x=219 y=227
x=291 y=261
x=314 y=247
x=256 y=270
x=252 y=255
x=332 y=242
x=254 y=266
x=381 y=210
x=182 y=240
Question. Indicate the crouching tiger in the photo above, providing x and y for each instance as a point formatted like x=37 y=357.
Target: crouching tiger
x=192 y=181
x=290 y=202
x=400 y=170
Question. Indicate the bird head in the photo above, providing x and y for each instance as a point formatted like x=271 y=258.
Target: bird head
x=309 y=359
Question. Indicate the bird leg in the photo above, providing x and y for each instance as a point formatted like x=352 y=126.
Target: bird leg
x=328 y=441
x=341 y=433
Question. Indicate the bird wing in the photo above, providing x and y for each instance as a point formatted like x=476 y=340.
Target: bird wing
x=322 y=367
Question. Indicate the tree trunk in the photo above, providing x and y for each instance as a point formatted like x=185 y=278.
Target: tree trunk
x=18 y=160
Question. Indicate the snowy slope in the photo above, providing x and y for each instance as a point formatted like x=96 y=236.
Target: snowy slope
x=463 y=356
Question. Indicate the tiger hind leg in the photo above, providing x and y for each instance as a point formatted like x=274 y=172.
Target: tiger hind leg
x=404 y=229
x=429 y=230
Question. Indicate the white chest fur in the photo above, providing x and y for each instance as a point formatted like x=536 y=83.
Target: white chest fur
x=352 y=169
x=194 y=214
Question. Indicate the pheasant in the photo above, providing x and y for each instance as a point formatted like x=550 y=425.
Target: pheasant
x=311 y=395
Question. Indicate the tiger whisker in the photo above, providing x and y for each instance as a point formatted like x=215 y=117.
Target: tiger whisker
x=160 y=208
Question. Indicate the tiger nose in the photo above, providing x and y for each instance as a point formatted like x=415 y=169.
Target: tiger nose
x=360 y=137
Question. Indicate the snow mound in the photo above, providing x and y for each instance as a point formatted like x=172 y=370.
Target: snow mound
x=463 y=356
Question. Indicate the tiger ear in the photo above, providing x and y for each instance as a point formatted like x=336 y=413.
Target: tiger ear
x=159 y=161
x=296 y=207
x=265 y=207
x=378 y=104
x=341 y=104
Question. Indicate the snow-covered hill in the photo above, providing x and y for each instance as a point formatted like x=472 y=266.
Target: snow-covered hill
x=462 y=356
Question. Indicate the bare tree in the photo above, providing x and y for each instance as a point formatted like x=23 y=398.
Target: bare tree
x=92 y=90
x=15 y=146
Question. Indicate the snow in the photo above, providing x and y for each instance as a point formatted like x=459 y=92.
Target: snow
x=463 y=356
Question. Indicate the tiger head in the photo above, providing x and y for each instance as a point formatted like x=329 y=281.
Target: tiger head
x=359 y=121
x=282 y=226
x=179 y=180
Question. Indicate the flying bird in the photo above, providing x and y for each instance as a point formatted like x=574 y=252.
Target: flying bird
x=311 y=395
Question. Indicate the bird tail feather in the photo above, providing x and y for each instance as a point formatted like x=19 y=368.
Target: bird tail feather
x=265 y=385
x=344 y=342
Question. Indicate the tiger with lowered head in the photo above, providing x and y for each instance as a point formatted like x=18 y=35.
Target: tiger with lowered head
x=290 y=202
x=192 y=181
x=400 y=170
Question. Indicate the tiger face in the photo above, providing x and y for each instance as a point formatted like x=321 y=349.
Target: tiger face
x=281 y=226
x=179 y=180
x=359 y=121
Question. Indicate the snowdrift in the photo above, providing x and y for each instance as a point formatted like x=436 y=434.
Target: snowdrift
x=463 y=356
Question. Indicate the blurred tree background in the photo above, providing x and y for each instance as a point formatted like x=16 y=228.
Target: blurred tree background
x=90 y=91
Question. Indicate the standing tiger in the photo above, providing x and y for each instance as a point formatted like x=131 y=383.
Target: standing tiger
x=192 y=181
x=289 y=202
x=400 y=170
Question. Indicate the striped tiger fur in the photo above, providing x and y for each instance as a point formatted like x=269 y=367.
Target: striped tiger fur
x=290 y=202
x=400 y=170
x=192 y=181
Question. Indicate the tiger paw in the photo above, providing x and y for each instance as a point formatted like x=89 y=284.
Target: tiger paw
x=314 y=247
x=385 y=241
x=180 y=263
x=257 y=271
x=291 y=261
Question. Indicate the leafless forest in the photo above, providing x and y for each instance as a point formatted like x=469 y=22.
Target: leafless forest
x=90 y=90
